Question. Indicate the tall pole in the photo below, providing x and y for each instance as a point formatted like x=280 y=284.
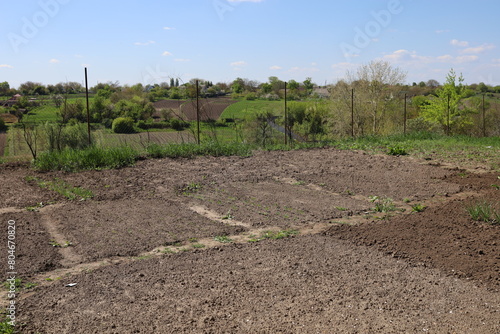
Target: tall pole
x=352 y=113
x=286 y=118
x=484 y=119
x=198 y=112
x=404 y=127
x=88 y=109
x=448 y=117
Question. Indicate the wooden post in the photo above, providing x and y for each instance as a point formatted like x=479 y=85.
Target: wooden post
x=198 y=113
x=286 y=118
x=88 y=109
x=352 y=113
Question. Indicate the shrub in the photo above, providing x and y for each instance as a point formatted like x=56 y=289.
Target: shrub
x=3 y=127
x=178 y=125
x=123 y=125
x=75 y=136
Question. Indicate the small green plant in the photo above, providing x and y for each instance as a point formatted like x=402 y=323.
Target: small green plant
x=17 y=284
x=54 y=243
x=168 y=251
x=385 y=204
x=417 y=208
x=341 y=208
x=29 y=285
x=193 y=239
x=190 y=188
x=496 y=186
x=198 y=246
x=406 y=200
x=483 y=211
x=228 y=216
x=223 y=239
x=36 y=207
x=397 y=150
x=299 y=183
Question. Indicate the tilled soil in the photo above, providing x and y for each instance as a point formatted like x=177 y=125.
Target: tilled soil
x=172 y=246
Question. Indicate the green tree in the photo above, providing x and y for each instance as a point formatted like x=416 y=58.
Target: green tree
x=308 y=84
x=4 y=88
x=446 y=108
x=293 y=85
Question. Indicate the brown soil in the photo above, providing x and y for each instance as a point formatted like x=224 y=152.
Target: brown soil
x=210 y=109
x=143 y=254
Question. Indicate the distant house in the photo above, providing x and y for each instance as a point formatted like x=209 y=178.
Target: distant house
x=321 y=92
x=11 y=102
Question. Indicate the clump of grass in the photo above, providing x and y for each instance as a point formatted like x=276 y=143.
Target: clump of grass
x=418 y=207
x=63 y=188
x=190 y=188
x=397 y=150
x=6 y=326
x=274 y=235
x=198 y=246
x=384 y=204
x=484 y=211
x=92 y=158
x=223 y=239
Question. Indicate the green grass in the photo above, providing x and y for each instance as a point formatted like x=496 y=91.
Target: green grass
x=450 y=149
x=382 y=204
x=42 y=114
x=274 y=235
x=190 y=150
x=93 y=158
x=245 y=109
x=223 y=239
x=6 y=326
x=484 y=211
x=63 y=188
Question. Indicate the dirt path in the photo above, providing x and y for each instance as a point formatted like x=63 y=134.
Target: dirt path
x=178 y=246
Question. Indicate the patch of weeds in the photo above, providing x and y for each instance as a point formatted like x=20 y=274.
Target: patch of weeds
x=190 y=188
x=7 y=326
x=16 y=284
x=223 y=239
x=168 y=251
x=48 y=279
x=299 y=183
x=54 y=243
x=274 y=235
x=397 y=150
x=36 y=207
x=322 y=184
x=496 y=186
x=418 y=207
x=385 y=204
x=193 y=239
x=483 y=211
x=228 y=216
x=406 y=200
x=341 y=208
x=29 y=285
x=198 y=246
x=349 y=192
x=62 y=188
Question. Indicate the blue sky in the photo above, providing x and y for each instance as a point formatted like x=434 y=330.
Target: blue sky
x=150 y=41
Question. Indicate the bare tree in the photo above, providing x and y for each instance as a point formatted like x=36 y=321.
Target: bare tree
x=376 y=84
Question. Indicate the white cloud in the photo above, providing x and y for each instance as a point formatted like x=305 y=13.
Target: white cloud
x=6 y=66
x=407 y=57
x=144 y=43
x=466 y=59
x=479 y=49
x=166 y=53
x=168 y=28
x=238 y=63
x=275 y=67
x=85 y=65
x=182 y=60
x=245 y=0
x=456 y=42
x=54 y=61
x=442 y=31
